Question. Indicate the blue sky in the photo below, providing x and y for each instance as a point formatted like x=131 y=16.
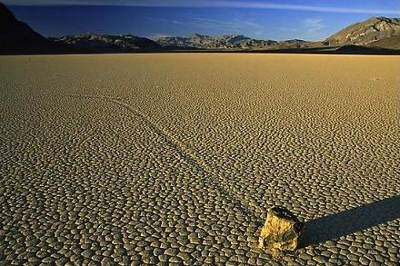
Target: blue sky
x=277 y=20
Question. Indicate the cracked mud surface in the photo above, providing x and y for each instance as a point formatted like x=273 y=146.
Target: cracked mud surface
x=175 y=158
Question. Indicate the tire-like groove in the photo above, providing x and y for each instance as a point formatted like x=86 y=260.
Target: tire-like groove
x=246 y=205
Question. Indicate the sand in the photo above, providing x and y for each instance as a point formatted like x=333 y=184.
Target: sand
x=150 y=158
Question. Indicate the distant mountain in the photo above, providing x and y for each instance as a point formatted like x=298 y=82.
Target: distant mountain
x=18 y=37
x=292 y=44
x=375 y=35
x=366 y=32
x=107 y=43
x=213 y=42
x=378 y=32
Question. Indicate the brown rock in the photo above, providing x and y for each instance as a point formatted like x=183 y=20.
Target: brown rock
x=281 y=231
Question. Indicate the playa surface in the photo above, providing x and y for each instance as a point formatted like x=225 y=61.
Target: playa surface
x=176 y=158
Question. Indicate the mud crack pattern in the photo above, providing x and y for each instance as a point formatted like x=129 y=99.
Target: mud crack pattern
x=174 y=158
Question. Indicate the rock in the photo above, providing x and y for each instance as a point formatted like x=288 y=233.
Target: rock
x=281 y=231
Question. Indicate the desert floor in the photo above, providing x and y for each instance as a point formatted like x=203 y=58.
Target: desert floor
x=176 y=158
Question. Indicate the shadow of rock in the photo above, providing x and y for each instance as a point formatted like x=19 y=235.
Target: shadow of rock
x=347 y=222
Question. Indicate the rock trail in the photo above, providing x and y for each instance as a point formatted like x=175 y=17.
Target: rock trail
x=247 y=206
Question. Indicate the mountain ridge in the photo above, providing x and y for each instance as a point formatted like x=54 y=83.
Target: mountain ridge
x=377 y=33
x=16 y=35
x=107 y=42
x=208 y=42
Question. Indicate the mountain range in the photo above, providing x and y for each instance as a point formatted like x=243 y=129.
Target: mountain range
x=374 y=34
x=107 y=43
x=206 y=42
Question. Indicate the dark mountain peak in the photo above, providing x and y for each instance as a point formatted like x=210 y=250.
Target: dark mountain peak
x=6 y=16
x=18 y=37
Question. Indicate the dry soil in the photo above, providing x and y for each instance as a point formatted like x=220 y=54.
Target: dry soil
x=175 y=158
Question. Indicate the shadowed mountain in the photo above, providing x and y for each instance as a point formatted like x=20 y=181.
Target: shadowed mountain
x=366 y=32
x=357 y=49
x=347 y=49
x=293 y=44
x=18 y=37
x=348 y=222
x=388 y=43
x=107 y=43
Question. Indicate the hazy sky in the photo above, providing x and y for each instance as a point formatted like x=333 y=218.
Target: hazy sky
x=278 y=20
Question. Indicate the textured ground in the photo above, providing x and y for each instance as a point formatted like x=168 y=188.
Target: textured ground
x=175 y=158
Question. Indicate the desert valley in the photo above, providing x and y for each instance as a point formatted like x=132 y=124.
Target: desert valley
x=175 y=158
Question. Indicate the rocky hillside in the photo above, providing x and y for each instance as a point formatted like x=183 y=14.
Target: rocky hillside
x=213 y=42
x=366 y=32
x=107 y=43
x=388 y=43
x=18 y=37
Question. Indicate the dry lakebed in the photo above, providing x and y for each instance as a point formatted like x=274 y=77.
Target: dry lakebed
x=171 y=159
